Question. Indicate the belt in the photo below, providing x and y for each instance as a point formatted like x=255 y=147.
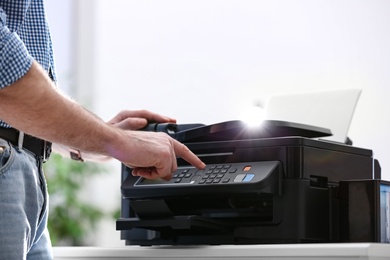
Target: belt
x=39 y=147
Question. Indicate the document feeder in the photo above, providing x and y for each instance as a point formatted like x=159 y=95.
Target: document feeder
x=254 y=189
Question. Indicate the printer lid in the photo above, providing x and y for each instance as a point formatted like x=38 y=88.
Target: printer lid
x=238 y=130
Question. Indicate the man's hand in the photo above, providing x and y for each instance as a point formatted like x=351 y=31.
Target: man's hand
x=133 y=120
x=154 y=154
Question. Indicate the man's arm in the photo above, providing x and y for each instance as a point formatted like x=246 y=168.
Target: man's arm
x=33 y=105
x=126 y=120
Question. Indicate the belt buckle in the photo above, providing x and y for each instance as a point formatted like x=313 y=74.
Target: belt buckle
x=46 y=150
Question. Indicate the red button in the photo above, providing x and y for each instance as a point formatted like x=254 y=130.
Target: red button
x=247 y=168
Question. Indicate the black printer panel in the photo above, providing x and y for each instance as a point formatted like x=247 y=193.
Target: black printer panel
x=226 y=178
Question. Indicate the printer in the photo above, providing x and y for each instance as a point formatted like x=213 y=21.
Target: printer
x=278 y=182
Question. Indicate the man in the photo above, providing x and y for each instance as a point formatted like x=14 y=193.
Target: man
x=40 y=115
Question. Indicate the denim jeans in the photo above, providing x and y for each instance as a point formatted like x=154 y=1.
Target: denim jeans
x=23 y=206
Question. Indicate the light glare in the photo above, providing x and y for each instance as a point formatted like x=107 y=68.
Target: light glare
x=253 y=116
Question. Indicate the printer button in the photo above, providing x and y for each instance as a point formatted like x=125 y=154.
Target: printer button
x=226 y=180
x=177 y=180
x=199 y=171
x=209 y=181
x=248 y=177
x=202 y=181
x=247 y=168
x=195 y=178
x=216 y=180
x=233 y=170
x=239 y=177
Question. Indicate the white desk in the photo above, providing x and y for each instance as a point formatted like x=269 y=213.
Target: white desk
x=272 y=252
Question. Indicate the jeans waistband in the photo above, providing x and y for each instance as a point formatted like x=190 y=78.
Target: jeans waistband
x=39 y=147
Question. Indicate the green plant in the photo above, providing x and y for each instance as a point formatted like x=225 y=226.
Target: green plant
x=70 y=218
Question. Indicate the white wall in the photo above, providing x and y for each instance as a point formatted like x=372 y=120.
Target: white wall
x=202 y=61
x=62 y=37
x=205 y=60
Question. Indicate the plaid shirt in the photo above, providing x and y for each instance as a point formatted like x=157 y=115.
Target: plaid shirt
x=24 y=37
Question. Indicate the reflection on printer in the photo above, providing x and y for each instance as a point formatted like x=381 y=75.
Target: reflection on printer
x=276 y=183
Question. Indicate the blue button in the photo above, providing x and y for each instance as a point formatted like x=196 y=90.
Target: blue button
x=249 y=177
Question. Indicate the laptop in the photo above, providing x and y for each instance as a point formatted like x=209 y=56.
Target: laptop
x=332 y=109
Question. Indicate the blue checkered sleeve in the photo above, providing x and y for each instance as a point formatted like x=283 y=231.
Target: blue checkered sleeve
x=15 y=60
x=24 y=37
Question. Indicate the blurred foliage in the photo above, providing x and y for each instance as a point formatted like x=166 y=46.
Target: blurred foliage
x=70 y=218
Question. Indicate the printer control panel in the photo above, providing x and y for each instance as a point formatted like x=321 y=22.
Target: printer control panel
x=216 y=174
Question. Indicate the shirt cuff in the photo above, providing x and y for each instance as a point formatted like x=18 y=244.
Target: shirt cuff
x=15 y=60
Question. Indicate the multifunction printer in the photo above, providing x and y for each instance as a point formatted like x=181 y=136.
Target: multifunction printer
x=278 y=182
